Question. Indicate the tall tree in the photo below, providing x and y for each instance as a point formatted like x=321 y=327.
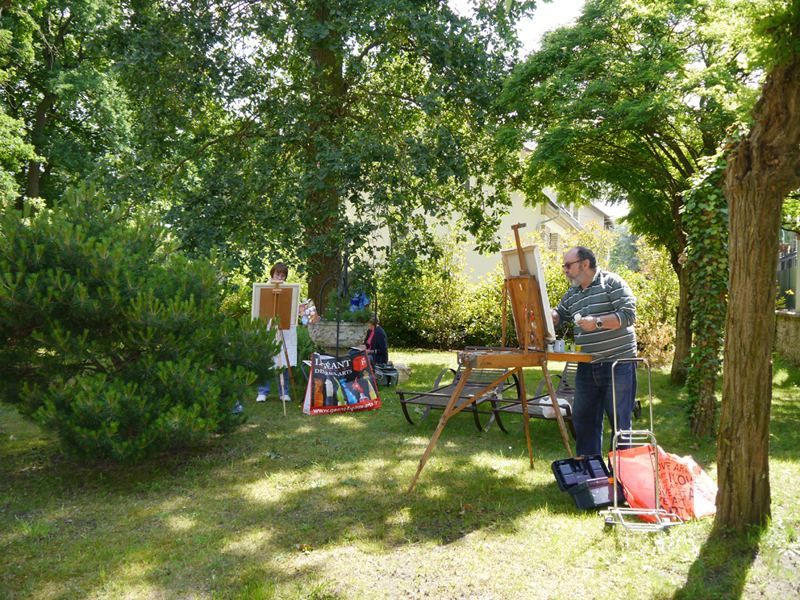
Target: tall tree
x=623 y=104
x=333 y=120
x=57 y=81
x=762 y=169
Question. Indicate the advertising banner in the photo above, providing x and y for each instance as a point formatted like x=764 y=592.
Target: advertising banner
x=340 y=384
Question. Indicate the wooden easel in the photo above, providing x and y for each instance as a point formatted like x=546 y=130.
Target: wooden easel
x=276 y=291
x=526 y=304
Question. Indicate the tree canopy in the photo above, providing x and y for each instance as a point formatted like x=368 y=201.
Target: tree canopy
x=287 y=129
x=623 y=104
x=56 y=82
x=301 y=128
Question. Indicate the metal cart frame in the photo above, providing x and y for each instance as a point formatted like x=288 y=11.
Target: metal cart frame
x=632 y=438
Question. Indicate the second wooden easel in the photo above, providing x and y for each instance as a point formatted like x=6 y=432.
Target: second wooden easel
x=524 y=292
x=276 y=292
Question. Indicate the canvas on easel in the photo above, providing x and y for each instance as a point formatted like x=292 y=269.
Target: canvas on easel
x=267 y=304
x=276 y=303
x=522 y=299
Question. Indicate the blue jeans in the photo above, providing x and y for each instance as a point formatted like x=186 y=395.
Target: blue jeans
x=264 y=389
x=594 y=398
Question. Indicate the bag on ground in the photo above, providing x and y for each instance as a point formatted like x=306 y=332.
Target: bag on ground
x=684 y=488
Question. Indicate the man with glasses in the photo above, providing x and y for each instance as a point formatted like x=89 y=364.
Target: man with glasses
x=604 y=309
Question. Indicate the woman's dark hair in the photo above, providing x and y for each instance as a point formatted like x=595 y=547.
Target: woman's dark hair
x=279 y=267
x=586 y=254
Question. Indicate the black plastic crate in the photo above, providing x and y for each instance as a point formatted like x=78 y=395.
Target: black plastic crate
x=593 y=493
x=570 y=472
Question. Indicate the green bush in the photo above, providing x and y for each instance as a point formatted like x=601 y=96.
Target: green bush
x=430 y=303
x=402 y=304
x=238 y=300
x=114 y=339
x=484 y=312
x=424 y=302
x=657 y=293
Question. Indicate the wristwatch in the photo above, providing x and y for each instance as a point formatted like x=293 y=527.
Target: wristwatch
x=598 y=324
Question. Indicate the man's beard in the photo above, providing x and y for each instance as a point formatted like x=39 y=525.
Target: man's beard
x=576 y=280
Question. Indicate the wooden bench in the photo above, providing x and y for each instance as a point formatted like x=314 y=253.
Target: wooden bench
x=540 y=406
x=485 y=405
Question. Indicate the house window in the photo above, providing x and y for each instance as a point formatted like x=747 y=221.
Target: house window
x=553 y=242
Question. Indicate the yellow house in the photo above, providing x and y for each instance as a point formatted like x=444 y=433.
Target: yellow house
x=549 y=222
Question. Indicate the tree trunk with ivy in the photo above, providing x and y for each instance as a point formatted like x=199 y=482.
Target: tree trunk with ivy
x=763 y=168
x=706 y=222
x=704 y=411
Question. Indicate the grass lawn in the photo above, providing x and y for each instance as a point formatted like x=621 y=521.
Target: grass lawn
x=304 y=507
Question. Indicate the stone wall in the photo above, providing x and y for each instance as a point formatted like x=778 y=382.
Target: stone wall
x=787 y=336
x=323 y=333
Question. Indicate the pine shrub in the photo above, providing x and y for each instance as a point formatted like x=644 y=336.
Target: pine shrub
x=112 y=338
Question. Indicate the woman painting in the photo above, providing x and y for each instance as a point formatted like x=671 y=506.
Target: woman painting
x=287 y=337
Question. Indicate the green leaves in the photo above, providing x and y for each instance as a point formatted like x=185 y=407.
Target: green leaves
x=777 y=25
x=625 y=103
x=612 y=105
x=115 y=341
x=342 y=118
x=58 y=81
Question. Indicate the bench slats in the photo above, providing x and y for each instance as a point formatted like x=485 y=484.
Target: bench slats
x=439 y=397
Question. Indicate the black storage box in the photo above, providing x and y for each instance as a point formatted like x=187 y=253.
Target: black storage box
x=587 y=479
x=593 y=493
x=570 y=472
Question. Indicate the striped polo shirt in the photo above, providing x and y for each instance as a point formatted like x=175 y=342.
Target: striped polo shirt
x=607 y=294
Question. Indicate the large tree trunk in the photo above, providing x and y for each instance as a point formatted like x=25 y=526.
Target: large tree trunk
x=761 y=171
x=683 y=327
x=329 y=89
x=709 y=312
x=322 y=266
x=41 y=118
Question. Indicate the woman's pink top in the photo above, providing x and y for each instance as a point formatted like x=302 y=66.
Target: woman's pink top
x=369 y=339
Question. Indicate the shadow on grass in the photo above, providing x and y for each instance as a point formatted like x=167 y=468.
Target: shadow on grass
x=720 y=570
x=210 y=522
x=274 y=506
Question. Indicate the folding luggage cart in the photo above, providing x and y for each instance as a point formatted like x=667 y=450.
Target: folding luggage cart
x=631 y=438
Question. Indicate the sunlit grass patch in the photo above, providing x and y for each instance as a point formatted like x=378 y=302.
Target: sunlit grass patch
x=299 y=507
